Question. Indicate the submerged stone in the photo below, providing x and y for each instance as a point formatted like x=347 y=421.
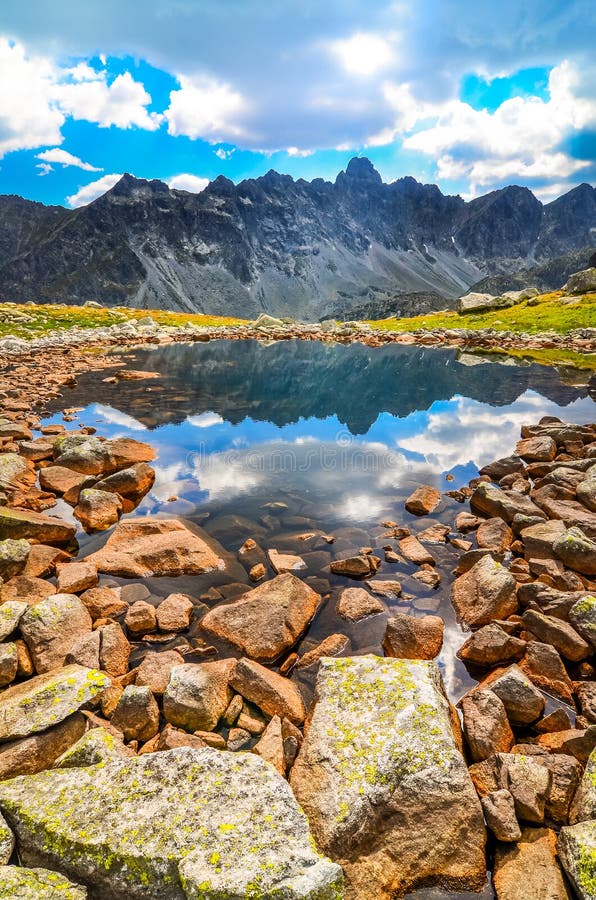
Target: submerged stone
x=140 y=548
x=172 y=825
x=386 y=791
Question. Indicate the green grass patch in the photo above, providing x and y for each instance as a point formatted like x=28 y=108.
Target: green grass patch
x=553 y=357
x=48 y=317
x=540 y=314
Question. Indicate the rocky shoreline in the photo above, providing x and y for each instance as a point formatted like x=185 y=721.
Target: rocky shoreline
x=147 y=331
x=125 y=718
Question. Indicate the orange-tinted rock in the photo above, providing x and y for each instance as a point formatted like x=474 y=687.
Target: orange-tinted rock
x=75 y=577
x=59 y=479
x=174 y=613
x=139 y=548
x=333 y=645
x=423 y=501
x=407 y=637
x=97 y=510
x=267 y=620
x=102 y=602
x=33 y=526
x=156 y=668
x=484 y=593
x=272 y=693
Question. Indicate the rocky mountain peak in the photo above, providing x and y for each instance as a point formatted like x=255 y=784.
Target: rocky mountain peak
x=360 y=169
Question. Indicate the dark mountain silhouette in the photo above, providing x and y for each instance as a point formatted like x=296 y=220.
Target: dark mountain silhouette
x=298 y=248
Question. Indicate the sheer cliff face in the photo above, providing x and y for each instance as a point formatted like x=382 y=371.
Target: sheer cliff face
x=287 y=247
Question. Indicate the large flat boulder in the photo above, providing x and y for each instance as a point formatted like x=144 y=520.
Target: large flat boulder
x=168 y=826
x=140 y=548
x=34 y=526
x=46 y=700
x=92 y=456
x=385 y=789
x=267 y=620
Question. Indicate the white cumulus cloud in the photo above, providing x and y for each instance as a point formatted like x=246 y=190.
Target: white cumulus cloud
x=521 y=139
x=188 y=182
x=93 y=190
x=28 y=118
x=205 y=108
x=64 y=158
x=122 y=103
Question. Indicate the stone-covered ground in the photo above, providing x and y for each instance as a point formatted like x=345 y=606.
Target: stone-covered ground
x=133 y=768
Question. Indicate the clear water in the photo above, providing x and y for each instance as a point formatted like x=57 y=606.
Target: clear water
x=272 y=441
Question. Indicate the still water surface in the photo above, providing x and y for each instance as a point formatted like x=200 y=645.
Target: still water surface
x=272 y=441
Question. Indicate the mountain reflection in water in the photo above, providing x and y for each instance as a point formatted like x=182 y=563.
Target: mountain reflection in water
x=272 y=441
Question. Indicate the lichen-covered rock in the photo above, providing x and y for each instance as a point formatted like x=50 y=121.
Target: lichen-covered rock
x=386 y=791
x=140 y=548
x=582 y=616
x=95 y=746
x=26 y=524
x=37 y=884
x=9 y=663
x=93 y=456
x=13 y=557
x=168 y=826
x=6 y=842
x=47 y=699
x=583 y=807
x=52 y=627
x=576 y=550
x=577 y=852
x=267 y=620
x=11 y=614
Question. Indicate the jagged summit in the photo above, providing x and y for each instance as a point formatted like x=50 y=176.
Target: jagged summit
x=283 y=246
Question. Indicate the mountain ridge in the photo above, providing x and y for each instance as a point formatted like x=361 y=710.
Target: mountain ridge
x=279 y=245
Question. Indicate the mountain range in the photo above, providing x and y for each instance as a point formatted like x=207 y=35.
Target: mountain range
x=291 y=247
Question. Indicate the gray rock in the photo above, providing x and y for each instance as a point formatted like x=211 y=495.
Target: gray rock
x=499 y=811
x=45 y=700
x=168 y=826
x=52 y=627
x=13 y=557
x=37 y=884
x=528 y=783
x=576 y=550
x=581 y=282
x=523 y=702
x=96 y=746
x=582 y=616
x=584 y=802
x=198 y=694
x=6 y=843
x=577 y=851
x=11 y=614
x=379 y=769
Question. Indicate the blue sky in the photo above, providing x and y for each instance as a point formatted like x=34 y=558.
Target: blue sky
x=468 y=97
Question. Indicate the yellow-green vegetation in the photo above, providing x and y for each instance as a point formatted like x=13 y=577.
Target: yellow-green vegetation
x=39 y=320
x=552 y=356
x=538 y=314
